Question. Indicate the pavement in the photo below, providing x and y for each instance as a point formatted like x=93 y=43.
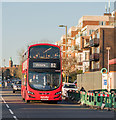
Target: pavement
x=15 y=109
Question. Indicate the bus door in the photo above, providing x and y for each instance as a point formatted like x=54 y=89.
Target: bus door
x=24 y=85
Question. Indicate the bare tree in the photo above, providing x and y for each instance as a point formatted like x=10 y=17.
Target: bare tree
x=19 y=69
x=68 y=65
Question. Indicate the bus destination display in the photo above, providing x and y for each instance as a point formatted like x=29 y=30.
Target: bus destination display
x=43 y=65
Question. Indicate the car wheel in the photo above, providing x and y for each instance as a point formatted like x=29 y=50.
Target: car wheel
x=13 y=91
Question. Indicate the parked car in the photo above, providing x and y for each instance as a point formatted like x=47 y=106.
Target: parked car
x=75 y=82
x=13 y=82
x=66 y=87
x=17 y=86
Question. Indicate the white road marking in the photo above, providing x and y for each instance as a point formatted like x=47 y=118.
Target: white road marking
x=11 y=111
x=7 y=106
x=3 y=100
x=15 y=117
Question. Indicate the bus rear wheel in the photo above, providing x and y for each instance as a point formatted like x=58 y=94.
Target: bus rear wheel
x=13 y=91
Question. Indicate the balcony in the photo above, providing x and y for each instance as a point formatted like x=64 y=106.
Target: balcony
x=86 y=45
x=79 y=63
x=94 y=57
x=94 y=42
x=95 y=69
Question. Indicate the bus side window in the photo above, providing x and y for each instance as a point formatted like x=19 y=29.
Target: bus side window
x=23 y=80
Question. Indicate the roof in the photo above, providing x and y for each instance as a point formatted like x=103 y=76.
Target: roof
x=93 y=18
x=73 y=28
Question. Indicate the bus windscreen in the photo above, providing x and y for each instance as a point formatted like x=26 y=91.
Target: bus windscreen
x=44 y=81
x=44 y=52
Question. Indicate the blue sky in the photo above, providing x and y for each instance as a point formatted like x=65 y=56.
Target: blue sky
x=28 y=22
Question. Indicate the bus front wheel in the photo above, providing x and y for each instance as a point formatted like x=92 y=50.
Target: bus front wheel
x=52 y=102
x=27 y=101
x=23 y=99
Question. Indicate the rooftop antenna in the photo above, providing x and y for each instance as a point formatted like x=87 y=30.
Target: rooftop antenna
x=106 y=7
x=109 y=6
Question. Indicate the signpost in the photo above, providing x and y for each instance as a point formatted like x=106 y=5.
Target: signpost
x=104 y=78
x=104 y=69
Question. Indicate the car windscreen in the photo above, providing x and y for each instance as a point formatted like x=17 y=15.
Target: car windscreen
x=69 y=86
x=18 y=82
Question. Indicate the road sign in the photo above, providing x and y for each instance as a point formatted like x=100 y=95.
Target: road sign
x=105 y=82
x=104 y=69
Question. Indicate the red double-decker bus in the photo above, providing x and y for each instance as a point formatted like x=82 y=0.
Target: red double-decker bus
x=41 y=73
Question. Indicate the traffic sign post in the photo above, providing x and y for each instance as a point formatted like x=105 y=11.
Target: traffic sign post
x=104 y=69
x=104 y=78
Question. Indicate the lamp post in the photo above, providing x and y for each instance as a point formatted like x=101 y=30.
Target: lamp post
x=108 y=48
x=65 y=44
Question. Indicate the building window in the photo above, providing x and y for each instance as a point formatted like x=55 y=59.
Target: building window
x=98 y=35
x=62 y=54
x=102 y=23
x=84 y=33
x=90 y=32
x=81 y=24
x=93 y=66
x=90 y=38
x=97 y=49
x=97 y=65
x=86 y=56
x=80 y=58
x=93 y=36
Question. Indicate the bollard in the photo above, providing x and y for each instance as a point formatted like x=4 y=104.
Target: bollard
x=108 y=102
x=82 y=95
x=99 y=101
x=90 y=99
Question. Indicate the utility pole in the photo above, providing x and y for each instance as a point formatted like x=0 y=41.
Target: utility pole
x=65 y=49
x=108 y=77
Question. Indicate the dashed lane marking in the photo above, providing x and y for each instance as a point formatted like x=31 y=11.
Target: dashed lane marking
x=15 y=117
x=9 y=108
x=11 y=111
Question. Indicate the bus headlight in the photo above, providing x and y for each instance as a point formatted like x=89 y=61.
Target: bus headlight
x=58 y=93
x=30 y=92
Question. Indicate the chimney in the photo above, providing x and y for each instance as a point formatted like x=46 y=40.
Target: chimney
x=107 y=14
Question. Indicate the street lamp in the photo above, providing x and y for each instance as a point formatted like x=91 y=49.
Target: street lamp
x=65 y=43
x=108 y=48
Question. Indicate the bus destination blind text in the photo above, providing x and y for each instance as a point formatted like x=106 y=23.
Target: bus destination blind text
x=43 y=65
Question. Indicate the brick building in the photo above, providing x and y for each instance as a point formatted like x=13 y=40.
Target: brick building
x=100 y=39
x=80 y=41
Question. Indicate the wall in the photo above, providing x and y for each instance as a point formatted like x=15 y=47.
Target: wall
x=112 y=80
x=90 y=80
x=109 y=41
